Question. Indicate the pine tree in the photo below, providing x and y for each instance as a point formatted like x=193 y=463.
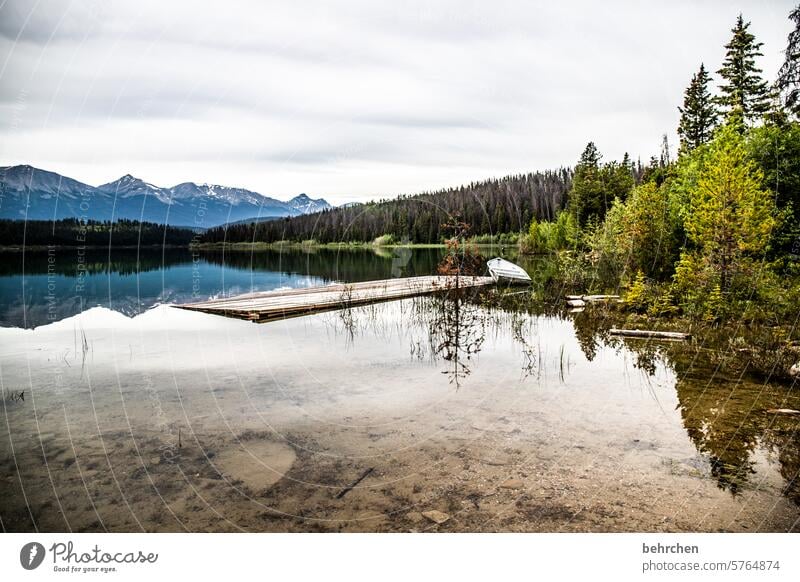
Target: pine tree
x=590 y=156
x=618 y=180
x=744 y=92
x=698 y=114
x=731 y=215
x=588 y=196
x=789 y=76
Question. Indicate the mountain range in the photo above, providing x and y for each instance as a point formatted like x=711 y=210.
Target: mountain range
x=33 y=194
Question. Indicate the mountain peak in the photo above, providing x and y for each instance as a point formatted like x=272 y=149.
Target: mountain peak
x=304 y=204
x=24 y=169
x=127 y=181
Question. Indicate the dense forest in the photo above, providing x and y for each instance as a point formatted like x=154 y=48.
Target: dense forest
x=713 y=234
x=491 y=207
x=73 y=232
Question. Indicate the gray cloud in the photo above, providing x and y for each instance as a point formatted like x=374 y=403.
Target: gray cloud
x=354 y=99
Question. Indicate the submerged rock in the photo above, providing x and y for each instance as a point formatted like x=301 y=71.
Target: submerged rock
x=435 y=516
x=414 y=516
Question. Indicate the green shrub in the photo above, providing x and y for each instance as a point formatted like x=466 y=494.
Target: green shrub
x=636 y=297
x=384 y=240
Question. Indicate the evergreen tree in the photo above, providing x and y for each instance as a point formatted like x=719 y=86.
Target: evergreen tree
x=591 y=156
x=789 y=76
x=588 y=197
x=618 y=180
x=698 y=114
x=744 y=92
x=731 y=215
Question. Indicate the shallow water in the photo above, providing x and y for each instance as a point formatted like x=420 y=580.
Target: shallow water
x=506 y=421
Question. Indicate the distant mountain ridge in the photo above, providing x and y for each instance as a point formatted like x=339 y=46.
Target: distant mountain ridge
x=305 y=205
x=34 y=194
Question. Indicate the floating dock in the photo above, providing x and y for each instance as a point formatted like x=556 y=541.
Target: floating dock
x=271 y=305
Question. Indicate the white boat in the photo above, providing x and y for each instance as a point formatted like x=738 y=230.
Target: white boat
x=503 y=270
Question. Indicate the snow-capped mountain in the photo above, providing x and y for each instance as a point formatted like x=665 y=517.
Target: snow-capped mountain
x=34 y=194
x=234 y=196
x=128 y=186
x=26 y=191
x=305 y=205
x=21 y=178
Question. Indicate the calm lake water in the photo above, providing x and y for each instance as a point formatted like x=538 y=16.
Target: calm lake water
x=487 y=407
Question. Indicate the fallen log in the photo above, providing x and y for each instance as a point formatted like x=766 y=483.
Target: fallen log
x=788 y=411
x=576 y=303
x=675 y=335
x=600 y=297
x=590 y=298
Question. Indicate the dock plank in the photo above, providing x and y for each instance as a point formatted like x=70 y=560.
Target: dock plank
x=270 y=305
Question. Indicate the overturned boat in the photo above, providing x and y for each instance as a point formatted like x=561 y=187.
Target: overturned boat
x=503 y=271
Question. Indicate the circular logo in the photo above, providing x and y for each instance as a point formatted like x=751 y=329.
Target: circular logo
x=31 y=555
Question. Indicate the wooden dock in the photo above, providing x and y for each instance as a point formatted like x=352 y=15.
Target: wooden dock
x=271 y=305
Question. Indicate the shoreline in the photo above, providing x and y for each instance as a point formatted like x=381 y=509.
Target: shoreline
x=45 y=248
x=232 y=246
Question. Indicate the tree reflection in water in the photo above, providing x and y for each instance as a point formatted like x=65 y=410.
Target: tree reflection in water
x=728 y=419
x=457 y=331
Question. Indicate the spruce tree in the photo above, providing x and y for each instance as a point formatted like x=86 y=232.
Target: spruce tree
x=744 y=92
x=588 y=196
x=789 y=76
x=698 y=114
x=590 y=156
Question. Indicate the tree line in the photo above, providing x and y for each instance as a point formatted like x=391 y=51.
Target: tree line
x=75 y=232
x=490 y=207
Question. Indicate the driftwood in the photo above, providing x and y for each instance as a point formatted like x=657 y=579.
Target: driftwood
x=581 y=301
x=591 y=298
x=788 y=411
x=347 y=489
x=675 y=335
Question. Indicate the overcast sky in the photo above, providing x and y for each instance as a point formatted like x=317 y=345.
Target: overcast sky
x=350 y=100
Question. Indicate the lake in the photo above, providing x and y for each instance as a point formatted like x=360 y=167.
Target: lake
x=482 y=411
